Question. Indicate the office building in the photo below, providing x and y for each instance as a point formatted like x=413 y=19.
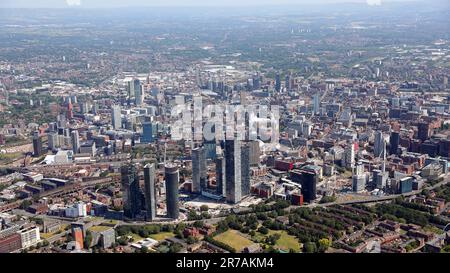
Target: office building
x=255 y=153
x=29 y=236
x=220 y=176
x=316 y=104
x=394 y=141
x=107 y=238
x=150 y=191
x=138 y=92
x=233 y=171
x=359 y=182
x=199 y=170
x=423 y=131
x=308 y=181
x=245 y=169
x=37 y=145
x=172 y=184
x=148 y=132
x=131 y=191
x=405 y=185
x=116 y=117
x=349 y=156
x=278 y=82
x=52 y=141
x=378 y=146
x=75 y=142
x=69 y=110
x=78 y=237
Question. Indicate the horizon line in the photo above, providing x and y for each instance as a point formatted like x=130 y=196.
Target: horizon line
x=365 y=4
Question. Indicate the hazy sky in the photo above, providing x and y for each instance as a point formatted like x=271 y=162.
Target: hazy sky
x=136 y=3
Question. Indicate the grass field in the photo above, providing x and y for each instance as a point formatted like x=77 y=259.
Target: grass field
x=285 y=242
x=136 y=237
x=99 y=228
x=233 y=238
x=162 y=236
x=8 y=158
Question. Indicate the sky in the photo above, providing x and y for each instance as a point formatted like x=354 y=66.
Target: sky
x=140 y=3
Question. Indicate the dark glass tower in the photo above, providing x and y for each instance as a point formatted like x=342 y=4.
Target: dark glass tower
x=308 y=180
x=131 y=191
x=394 y=142
x=278 y=82
x=245 y=169
x=172 y=183
x=37 y=145
x=220 y=175
x=199 y=170
x=233 y=171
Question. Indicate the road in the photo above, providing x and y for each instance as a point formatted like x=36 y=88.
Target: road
x=374 y=199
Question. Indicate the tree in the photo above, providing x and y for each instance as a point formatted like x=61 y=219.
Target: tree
x=272 y=239
x=25 y=204
x=324 y=244
x=175 y=248
x=309 y=247
x=144 y=249
x=446 y=249
x=122 y=241
x=204 y=208
x=263 y=230
x=143 y=233
x=198 y=224
x=191 y=240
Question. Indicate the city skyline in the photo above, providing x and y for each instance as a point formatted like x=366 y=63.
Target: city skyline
x=255 y=127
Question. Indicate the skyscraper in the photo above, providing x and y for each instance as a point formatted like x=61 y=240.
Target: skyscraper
x=131 y=191
x=308 y=180
x=287 y=82
x=349 y=156
x=233 y=171
x=138 y=94
x=84 y=107
x=199 y=170
x=316 y=104
x=37 y=144
x=75 y=142
x=116 y=117
x=359 y=178
x=394 y=142
x=172 y=183
x=245 y=169
x=150 y=191
x=278 y=82
x=148 y=132
x=255 y=152
x=358 y=182
x=220 y=176
x=378 y=146
x=70 y=110
x=423 y=132
x=53 y=142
